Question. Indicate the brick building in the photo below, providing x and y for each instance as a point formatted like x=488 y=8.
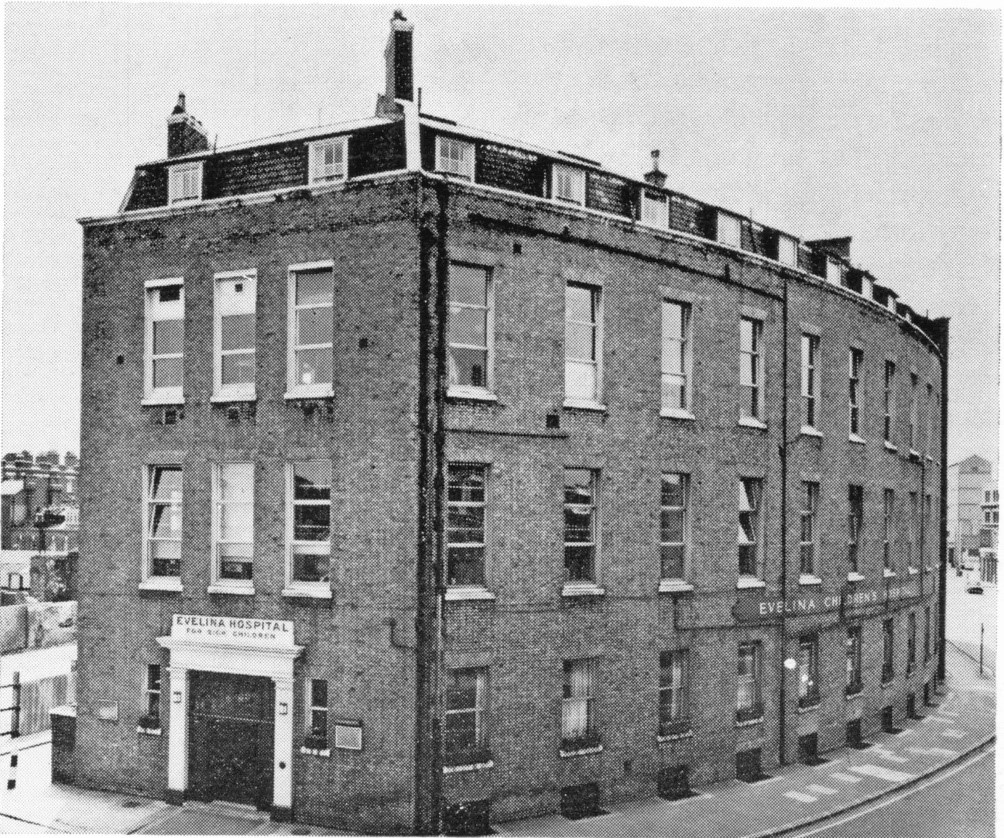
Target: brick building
x=31 y=484
x=425 y=466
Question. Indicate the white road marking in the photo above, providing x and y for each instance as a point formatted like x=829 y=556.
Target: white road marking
x=954 y=734
x=905 y=731
x=940 y=752
x=845 y=778
x=821 y=789
x=883 y=773
x=801 y=798
x=889 y=755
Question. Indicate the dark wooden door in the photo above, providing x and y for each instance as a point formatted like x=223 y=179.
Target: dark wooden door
x=231 y=738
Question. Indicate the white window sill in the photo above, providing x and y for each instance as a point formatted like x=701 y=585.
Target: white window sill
x=914 y=455
x=809 y=579
x=161 y=583
x=305 y=592
x=929 y=458
x=750 y=582
x=470 y=592
x=929 y=568
x=674 y=586
x=890 y=447
x=750 y=722
x=317 y=752
x=228 y=398
x=857 y=440
x=238 y=590
x=854 y=576
x=912 y=571
x=687 y=734
x=148 y=731
x=159 y=399
x=809 y=708
x=808 y=430
x=584 y=404
x=573 y=589
x=474 y=766
x=581 y=752
x=323 y=392
x=471 y=393
x=676 y=413
x=750 y=422
x=888 y=574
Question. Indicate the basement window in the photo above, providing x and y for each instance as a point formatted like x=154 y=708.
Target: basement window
x=184 y=183
x=328 y=160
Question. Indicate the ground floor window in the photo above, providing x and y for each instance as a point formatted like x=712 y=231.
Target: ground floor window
x=578 y=712
x=464 y=734
x=749 y=704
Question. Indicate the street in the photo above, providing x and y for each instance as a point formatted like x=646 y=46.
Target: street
x=958 y=802
x=965 y=613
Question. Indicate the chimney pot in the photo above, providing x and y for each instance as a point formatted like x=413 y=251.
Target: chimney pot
x=655 y=177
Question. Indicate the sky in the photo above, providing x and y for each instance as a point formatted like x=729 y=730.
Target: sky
x=879 y=124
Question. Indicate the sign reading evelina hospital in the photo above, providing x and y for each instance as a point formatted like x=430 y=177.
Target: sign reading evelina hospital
x=233 y=631
x=754 y=606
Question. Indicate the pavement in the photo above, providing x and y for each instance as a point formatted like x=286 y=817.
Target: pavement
x=794 y=798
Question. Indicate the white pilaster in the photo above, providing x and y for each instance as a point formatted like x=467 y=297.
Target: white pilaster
x=177 y=745
x=282 y=768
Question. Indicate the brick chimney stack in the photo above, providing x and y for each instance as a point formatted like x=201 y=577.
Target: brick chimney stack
x=184 y=132
x=398 y=58
x=655 y=177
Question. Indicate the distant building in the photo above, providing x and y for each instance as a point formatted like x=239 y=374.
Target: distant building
x=988 y=535
x=968 y=479
x=29 y=485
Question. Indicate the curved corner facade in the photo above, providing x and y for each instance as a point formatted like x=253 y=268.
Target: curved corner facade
x=406 y=495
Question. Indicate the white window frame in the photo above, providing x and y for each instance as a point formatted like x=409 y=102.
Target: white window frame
x=655 y=212
x=853 y=666
x=152 y=693
x=684 y=411
x=148 y=502
x=808 y=670
x=745 y=506
x=888 y=514
x=809 y=514
x=475 y=506
x=489 y=387
x=810 y=344
x=787 y=250
x=855 y=523
x=576 y=193
x=180 y=176
x=889 y=401
x=462 y=166
x=479 y=711
x=729 y=229
x=673 y=690
x=914 y=423
x=243 y=390
x=570 y=702
x=834 y=272
x=220 y=583
x=596 y=400
x=594 y=543
x=296 y=587
x=753 y=681
x=685 y=544
x=758 y=371
x=311 y=708
x=161 y=395
x=293 y=388
x=317 y=172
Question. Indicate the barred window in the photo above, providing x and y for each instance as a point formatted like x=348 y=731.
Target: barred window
x=465 y=524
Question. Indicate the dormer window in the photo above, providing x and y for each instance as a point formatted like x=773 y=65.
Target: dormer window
x=787 y=250
x=455 y=157
x=834 y=272
x=184 y=182
x=328 y=160
x=568 y=184
x=729 y=229
x=654 y=210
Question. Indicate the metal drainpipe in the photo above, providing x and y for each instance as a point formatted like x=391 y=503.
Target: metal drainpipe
x=783 y=697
